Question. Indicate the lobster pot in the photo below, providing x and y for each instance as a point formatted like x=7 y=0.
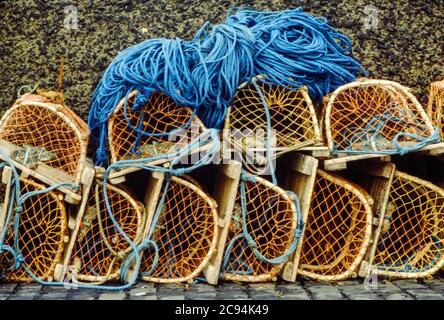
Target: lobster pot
x=338 y=229
x=270 y=219
x=100 y=248
x=40 y=236
x=293 y=121
x=375 y=116
x=45 y=137
x=185 y=234
x=435 y=107
x=150 y=128
x=411 y=241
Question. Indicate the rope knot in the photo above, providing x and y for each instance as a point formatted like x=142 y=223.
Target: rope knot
x=19 y=209
x=19 y=259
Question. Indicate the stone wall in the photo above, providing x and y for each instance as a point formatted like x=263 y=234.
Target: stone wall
x=401 y=40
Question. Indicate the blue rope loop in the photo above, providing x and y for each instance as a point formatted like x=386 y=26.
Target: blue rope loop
x=370 y=136
x=291 y=47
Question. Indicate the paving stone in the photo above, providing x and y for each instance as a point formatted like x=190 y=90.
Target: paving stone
x=14 y=297
x=201 y=291
x=147 y=297
x=31 y=287
x=425 y=294
x=112 y=296
x=56 y=295
x=409 y=284
x=263 y=291
x=326 y=292
x=172 y=297
x=364 y=296
x=4 y=296
x=80 y=297
x=7 y=287
x=292 y=291
x=398 y=296
x=145 y=290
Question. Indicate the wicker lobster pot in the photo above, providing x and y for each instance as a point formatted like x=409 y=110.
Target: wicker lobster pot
x=172 y=127
x=411 y=241
x=375 y=116
x=271 y=221
x=293 y=120
x=185 y=234
x=338 y=229
x=42 y=235
x=435 y=108
x=99 y=249
x=35 y=131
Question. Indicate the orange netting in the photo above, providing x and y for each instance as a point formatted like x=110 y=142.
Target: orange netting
x=412 y=236
x=271 y=220
x=376 y=116
x=185 y=235
x=338 y=229
x=435 y=107
x=47 y=133
x=42 y=233
x=293 y=119
x=160 y=115
x=100 y=248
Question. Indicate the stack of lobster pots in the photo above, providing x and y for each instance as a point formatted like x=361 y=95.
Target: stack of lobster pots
x=327 y=190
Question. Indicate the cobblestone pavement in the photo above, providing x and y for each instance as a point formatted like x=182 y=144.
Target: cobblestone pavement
x=306 y=290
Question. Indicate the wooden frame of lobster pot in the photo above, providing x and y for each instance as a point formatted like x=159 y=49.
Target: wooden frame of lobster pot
x=375 y=119
x=410 y=243
x=300 y=175
x=96 y=254
x=157 y=127
x=182 y=230
x=264 y=232
x=287 y=112
x=338 y=229
x=47 y=141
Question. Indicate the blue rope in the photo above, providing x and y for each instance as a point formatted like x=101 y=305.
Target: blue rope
x=229 y=264
x=291 y=47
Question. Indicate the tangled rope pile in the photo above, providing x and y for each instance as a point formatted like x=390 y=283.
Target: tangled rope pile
x=291 y=47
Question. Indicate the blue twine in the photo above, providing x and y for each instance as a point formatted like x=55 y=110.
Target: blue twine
x=290 y=47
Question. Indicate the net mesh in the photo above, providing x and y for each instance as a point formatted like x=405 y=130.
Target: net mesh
x=41 y=235
x=160 y=115
x=412 y=235
x=371 y=116
x=293 y=119
x=100 y=248
x=185 y=234
x=436 y=105
x=271 y=222
x=336 y=235
x=44 y=135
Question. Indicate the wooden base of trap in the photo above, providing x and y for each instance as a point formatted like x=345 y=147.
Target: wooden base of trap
x=340 y=162
x=227 y=182
x=44 y=173
x=75 y=218
x=299 y=179
x=376 y=179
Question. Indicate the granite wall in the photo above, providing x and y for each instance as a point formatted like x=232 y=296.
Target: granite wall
x=401 y=40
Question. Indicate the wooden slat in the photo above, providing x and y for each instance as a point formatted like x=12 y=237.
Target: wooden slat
x=227 y=182
x=300 y=179
x=75 y=218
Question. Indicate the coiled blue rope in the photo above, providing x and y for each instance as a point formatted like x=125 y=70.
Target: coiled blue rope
x=290 y=47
